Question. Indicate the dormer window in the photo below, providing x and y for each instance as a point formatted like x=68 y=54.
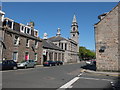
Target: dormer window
x=8 y=22
x=22 y=28
x=27 y=30
x=35 y=33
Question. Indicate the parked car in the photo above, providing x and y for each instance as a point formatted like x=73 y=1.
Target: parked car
x=26 y=64
x=49 y=63
x=8 y=64
x=91 y=62
x=59 y=62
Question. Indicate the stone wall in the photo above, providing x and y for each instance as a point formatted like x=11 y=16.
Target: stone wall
x=106 y=33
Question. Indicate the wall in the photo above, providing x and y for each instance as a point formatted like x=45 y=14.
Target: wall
x=106 y=33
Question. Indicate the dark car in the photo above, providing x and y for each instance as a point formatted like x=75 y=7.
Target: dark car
x=49 y=63
x=59 y=62
x=8 y=64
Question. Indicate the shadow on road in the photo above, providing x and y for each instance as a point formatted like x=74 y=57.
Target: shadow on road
x=89 y=67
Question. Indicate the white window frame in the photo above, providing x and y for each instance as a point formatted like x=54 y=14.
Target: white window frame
x=36 y=55
x=27 y=44
x=18 y=39
x=36 y=44
x=15 y=56
x=22 y=25
x=35 y=33
x=8 y=19
x=27 y=27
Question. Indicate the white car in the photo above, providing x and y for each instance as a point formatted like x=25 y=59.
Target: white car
x=91 y=62
x=26 y=64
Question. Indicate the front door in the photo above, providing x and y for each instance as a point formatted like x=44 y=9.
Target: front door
x=26 y=56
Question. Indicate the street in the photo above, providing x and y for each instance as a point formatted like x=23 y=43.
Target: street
x=57 y=77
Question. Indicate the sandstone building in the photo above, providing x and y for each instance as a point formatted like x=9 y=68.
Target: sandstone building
x=51 y=51
x=70 y=45
x=107 y=34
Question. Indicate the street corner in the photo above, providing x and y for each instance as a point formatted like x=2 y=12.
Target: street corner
x=114 y=74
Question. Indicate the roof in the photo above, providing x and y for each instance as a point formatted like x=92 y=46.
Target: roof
x=106 y=14
x=49 y=45
x=21 y=34
x=56 y=38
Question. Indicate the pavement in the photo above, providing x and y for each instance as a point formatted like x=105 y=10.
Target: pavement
x=104 y=73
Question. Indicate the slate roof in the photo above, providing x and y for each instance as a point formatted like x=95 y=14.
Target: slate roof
x=56 y=38
x=49 y=45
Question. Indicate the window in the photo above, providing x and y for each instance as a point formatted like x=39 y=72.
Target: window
x=28 y=30
x=73 y=28
x=73 y=35
x=35 y=56
x=65 y=46
x=36 y=33
x=36 y=44
x=16 y=40
x=15 y=56
x=10 y=24
x=62 y=45
x=25 y=30
x=27 y=42
x=22 y=28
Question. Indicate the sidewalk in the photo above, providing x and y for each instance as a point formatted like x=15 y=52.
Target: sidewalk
x=102 y=72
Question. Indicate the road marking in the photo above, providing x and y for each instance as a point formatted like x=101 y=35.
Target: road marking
x=68 y=84
x=96 y=79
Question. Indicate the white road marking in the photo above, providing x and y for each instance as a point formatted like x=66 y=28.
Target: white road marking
x=68 y=84
x=96 y=79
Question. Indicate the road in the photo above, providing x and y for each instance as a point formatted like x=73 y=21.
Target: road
x=56 y=77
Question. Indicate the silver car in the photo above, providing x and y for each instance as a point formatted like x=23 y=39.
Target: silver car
x=26 y=64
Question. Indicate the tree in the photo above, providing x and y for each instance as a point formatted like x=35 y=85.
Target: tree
x=86 y=53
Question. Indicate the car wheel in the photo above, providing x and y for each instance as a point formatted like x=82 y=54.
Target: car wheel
x=25 y=67
x=50 y=64
x=14 y=68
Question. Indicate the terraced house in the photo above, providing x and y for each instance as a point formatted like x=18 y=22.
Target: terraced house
x=20 y=42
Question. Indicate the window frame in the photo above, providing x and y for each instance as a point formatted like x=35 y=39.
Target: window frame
x=15 y=56
x=27 y=43
x=17 y=40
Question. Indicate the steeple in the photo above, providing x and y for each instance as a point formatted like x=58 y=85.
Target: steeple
x=74 y=30
x=74 y=22
x=74 y=19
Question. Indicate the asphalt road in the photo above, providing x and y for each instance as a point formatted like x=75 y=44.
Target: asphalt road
x=66 y=76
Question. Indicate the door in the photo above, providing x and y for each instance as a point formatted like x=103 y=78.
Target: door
x=26 y=56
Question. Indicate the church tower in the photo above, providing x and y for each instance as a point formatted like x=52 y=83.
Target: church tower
x=74 y=30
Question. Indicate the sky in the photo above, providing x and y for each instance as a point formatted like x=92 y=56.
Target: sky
x=48 y=16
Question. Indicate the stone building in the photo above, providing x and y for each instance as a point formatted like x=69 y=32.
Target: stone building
x=50 y=51
x=70 y=45
x=21 y=42
x=108 y=40
x=1 y=33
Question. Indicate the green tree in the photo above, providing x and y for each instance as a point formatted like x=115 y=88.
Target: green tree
x=86 y=53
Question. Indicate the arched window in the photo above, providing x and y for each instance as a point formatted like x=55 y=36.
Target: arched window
x=73 y=28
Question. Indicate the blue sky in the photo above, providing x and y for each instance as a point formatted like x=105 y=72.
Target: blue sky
x=49 y=16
